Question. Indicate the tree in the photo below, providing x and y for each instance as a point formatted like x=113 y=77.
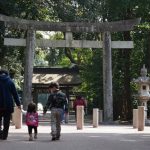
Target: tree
x=126 y=63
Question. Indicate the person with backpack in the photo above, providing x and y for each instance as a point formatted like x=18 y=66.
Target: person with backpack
x=8 y=95
x=57 y=102
x=31 y=120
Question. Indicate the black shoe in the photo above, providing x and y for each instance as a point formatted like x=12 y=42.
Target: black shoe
x=1 y=133
x=53 y=138
x=58 y=136
x=2 y=137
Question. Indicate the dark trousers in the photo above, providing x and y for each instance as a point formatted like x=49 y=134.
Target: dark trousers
x=0 y=124
x=30 y=129
x=5 y=122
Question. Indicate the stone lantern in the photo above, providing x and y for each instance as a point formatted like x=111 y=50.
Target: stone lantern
x=143 y=83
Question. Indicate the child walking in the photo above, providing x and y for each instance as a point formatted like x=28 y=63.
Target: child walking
x=32 y=120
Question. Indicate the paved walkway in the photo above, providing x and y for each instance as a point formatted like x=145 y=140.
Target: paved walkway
x=105 y=137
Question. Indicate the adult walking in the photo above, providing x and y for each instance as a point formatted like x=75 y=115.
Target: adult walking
x=8 y=95
x=57 y=103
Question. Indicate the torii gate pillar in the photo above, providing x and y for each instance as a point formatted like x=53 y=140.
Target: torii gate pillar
x=107 y=77
x=28 y=70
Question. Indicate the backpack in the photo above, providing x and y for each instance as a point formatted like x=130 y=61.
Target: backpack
x=59 y=100
x=32 y=119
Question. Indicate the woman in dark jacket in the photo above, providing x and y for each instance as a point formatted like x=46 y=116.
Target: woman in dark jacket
x=8 y=95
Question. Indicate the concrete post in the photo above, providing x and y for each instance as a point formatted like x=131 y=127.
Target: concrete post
x=135 y=118
x=100 y=116
x=141 y=118
x=80 y=117
x=17 y=118
x=95 y=117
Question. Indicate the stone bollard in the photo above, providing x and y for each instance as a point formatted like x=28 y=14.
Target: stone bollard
x=135 y=118
x=100 y=116
x=17 y=118
x=95 y=117
x=80 y=117
x=141 y=118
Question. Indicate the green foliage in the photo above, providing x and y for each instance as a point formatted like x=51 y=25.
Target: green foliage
x=39 y=59
x=92 y=78
x=126 y=64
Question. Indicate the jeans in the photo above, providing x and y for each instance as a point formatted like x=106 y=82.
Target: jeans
x=56 y=116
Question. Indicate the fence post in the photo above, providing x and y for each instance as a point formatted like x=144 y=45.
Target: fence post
x=95 y=117
x=141 y=118
x=135 y=118
x=80 y=117
x=100 y=116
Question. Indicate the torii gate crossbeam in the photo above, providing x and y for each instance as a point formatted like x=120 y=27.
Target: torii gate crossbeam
x=124 y=25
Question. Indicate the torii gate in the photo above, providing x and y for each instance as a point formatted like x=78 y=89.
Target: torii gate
x=68 y=27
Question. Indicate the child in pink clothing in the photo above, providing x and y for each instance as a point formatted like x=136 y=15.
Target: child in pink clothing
x=32 y=120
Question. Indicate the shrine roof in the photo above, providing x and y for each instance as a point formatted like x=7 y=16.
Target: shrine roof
x=64 y=76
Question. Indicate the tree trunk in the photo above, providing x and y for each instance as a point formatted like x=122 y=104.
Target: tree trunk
x=127 y=103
